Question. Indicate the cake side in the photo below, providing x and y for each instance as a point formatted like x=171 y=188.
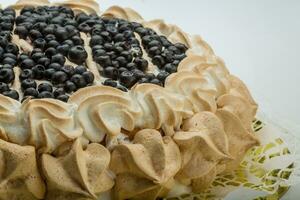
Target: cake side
x=198 y=121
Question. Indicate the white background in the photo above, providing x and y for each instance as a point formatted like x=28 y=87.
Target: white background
x=258 y=39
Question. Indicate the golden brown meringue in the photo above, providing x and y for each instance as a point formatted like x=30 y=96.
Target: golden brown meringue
x=19 y=174
x=79 y=174
x=240 y=140
x=94 y=112
x=122 y=13
x=145 y=169
x=160 y=108
x=203 y=145
x=22 y=3
x=50 y=123
x=87 y=6
x=10 y=114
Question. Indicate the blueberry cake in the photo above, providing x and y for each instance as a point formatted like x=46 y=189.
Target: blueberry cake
x=105 y=105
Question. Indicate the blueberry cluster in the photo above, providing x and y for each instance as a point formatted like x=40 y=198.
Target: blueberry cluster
x=54 y=32
x=117 y=49
x=8 y=53
x=54 y=35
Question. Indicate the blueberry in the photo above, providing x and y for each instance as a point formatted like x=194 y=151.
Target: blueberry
x=48 y=73
x=77 y=40
x=110 y=72
x=80 y=69
x=10 y=55
x=108 y=46
x=122 y=69
x=12 y=48
x=58 y=58
x=78 y=80
x=70 y=87
x=99 y=52
x=96 y=40
x=155 y=81
x=45 y=94
x=150 y=76
x=63 y=98
x=162 y=76
x=77 y=54
x=3 y=87
x=35 y=34
x=89 y=77
x=53 y=43
x=22 y=56
x=63 y=49
x=138 y=73
x=51 y=51
x=127 y=55
x=119 y=37
x=7 y=75
x=170 y=68
x=122 y=88
x=59 y=77
x=61 y=33
x=110 y=82
x=58 y=92
x=146 y=39
x=127 y=79
x=50 y=37
x=103 y=60
x=84 y=27
x=115 y=64
x=141 y=63
x=143 y=80
x=45 y=87
x=44 y=61
x=39 y=43
x=141 y=31
x=153 y=51
x=159 y=61
x=181 y=47
x=122 y=61
x=69 y=42
x=10 y=61
x=31 y=92
x=55 y=66
x=131 y=66
x=37 y=56
x=38 y=71
x=26 y=74
x=28 y=83
x=36 y=50
x=12 y=94
x=69 y=70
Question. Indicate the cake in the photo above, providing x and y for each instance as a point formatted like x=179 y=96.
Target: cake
x=106 y=105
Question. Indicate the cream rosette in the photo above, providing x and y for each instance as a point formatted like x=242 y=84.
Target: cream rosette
x=50 y=123
x=19 y=173
x=160 y=108
x=104 y=110
x=23 y=3
x=145 y=168
x=78 y=173
x=204 y=148
x=9 y=114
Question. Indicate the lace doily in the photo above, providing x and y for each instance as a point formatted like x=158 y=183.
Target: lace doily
x=266 y=172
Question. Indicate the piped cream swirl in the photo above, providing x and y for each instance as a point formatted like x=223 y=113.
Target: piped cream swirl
x=50 y=123
x=145 y=169
x=78 y=174
x=19 y=173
